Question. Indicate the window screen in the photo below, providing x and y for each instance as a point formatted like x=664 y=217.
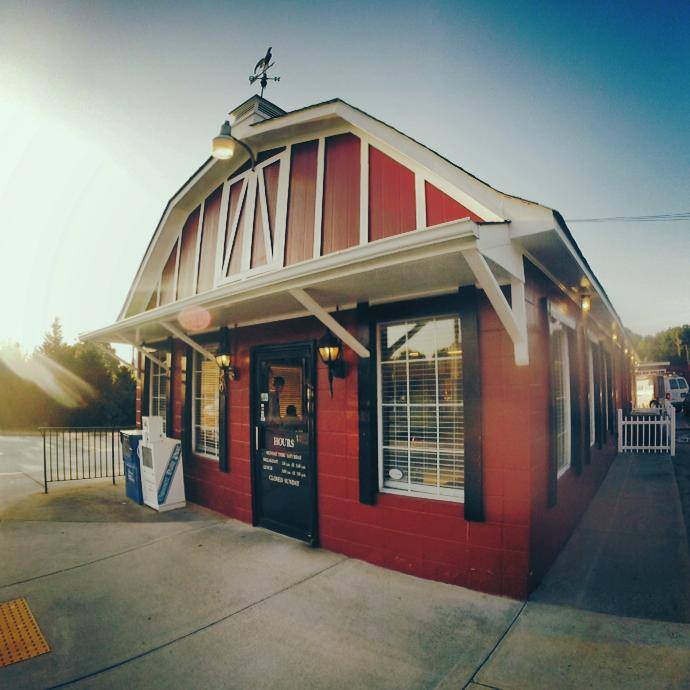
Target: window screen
x=158 y=404
x=421 y=420
x=205 y=410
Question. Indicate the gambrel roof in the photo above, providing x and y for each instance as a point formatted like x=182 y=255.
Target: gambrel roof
x=345 y=207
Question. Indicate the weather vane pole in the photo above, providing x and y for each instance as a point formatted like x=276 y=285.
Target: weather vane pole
x=260 y=72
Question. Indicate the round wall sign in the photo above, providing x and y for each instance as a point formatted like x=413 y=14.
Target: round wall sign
x=395 y=473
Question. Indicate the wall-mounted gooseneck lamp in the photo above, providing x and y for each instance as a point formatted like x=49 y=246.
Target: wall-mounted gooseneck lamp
x=223 y=145
x=224 y=360
x=331 y=353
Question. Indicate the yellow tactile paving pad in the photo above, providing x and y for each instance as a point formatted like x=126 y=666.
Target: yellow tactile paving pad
x=20 y=636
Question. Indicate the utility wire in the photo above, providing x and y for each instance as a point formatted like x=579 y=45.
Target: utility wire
x=656 y=218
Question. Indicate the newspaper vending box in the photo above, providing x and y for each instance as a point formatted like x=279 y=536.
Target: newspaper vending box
x=162 y=477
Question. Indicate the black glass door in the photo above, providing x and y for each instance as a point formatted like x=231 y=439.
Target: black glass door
x=284 y=473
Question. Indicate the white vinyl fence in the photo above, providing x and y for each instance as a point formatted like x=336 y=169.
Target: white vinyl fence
x=647 y=431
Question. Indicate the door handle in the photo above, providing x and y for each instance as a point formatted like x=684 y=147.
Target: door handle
x=256 y=438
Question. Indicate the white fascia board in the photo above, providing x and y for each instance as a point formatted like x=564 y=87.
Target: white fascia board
x=417 y=244
x=162 y=225
x=476 y=195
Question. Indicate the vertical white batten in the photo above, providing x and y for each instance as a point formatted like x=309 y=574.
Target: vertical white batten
x=420 y=201
x=234 y=227
x=263 y=207
x=364 y=192
x=318 y=203
x=197 y=248
x=248 y=229
x=282 y=208
x=222 y=229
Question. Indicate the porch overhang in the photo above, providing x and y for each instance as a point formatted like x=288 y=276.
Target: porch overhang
x=424 y=262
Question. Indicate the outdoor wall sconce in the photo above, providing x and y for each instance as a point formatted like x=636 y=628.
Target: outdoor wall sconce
x=223 y=145
x=331 y=353
x=585 y=302
x=224 y=361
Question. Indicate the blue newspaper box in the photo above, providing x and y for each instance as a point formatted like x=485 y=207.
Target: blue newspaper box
x=130 y=443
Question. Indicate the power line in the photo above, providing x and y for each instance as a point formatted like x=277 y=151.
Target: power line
x=656 y=218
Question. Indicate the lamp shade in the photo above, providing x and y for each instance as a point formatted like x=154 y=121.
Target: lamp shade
x=586 y=303
x=224 y=360
x=223 y=146
x=330 y=348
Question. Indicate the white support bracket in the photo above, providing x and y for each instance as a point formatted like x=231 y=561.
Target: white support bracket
x=514 y=319
x=113 y=356
x=148 y=355
x=186 y=339
x=327 y=320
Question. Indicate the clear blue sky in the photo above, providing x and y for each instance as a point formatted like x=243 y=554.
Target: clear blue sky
x=107 y=107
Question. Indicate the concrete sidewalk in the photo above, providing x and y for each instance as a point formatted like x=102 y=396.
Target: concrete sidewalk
x=128 y=598
x=613 y=610
x=145 y=601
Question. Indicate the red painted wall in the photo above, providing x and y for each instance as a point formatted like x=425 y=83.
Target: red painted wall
x=168 y=277
x=209 y=237
x=440 y=208
x=391 y=197
x=341 y=193
x=422 y=537
x=185 y=271
x=299 y=239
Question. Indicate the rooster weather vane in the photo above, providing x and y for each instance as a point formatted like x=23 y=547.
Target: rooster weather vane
x=260 y=71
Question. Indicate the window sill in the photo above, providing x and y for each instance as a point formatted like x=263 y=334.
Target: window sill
x=460 y=498
x=203 y=456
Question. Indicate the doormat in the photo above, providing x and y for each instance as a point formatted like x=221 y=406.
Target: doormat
x=20 y=636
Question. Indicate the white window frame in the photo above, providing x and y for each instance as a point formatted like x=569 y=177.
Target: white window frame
x=559 y=322
x=198 y=357
x=158 y=381
x=450 y=495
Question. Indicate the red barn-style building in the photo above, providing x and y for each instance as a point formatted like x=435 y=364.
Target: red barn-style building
x=472 y=410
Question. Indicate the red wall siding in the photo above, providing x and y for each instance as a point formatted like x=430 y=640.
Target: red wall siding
x=299 y=241
x=258 y=241
x=168 y=277
x=440 y=208
x=185 y=272
x=341 y=193
x=271 y=175
x=209 y=237
x=391 y=197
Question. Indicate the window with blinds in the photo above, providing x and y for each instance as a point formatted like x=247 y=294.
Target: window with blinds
x=205 y=408
x=158 y=402
x=560 y=373
x=420 y=407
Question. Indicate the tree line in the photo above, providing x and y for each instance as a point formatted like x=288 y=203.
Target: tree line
x=63 y=385
x=671 y=345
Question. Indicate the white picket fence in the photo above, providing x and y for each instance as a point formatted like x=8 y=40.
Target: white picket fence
x=648 y=431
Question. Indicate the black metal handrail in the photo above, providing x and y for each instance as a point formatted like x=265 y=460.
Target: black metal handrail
x=84 y=452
